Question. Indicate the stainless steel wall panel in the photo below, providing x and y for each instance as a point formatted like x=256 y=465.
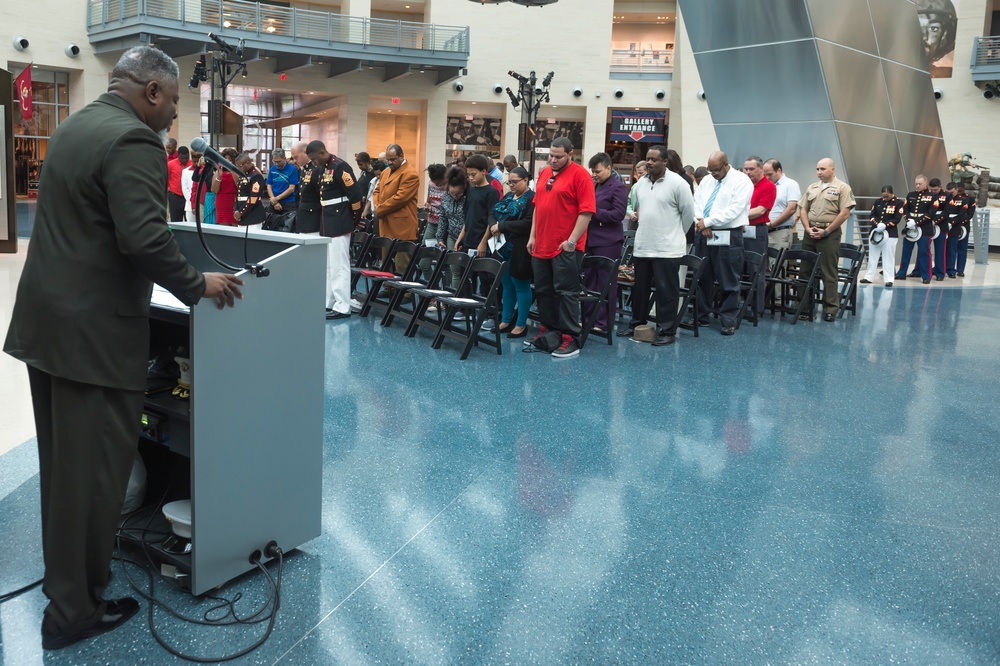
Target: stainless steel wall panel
x=923 y=155
x=846 y=22
x=856 y=86
x=765 y=83
x=871 y=159
x=798 y=146
x=911 y=93
x=898 y=34
x=724 y=24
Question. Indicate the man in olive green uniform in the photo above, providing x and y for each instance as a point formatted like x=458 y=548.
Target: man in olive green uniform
x=80 y=323
x=823 y=209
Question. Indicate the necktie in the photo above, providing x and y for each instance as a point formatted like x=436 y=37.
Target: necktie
x=711 y=198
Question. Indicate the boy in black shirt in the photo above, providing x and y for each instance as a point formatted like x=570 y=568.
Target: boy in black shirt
x=481 y=199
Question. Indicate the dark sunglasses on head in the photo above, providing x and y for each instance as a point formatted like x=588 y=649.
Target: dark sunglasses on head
x=548 y=185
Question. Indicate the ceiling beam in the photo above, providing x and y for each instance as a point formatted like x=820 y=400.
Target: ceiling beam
x=286 y=62
x=396 y=70
x=339 y=66
x=446 y=74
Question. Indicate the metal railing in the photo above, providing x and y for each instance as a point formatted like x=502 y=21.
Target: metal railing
x=294 y=23
x=986 y=52
x=644 y=61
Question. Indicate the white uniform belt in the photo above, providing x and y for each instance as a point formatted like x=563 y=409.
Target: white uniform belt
x=242 y=198
x=330 y=202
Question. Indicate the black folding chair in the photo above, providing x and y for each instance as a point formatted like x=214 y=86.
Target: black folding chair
x=377 y=278
x=476 y=308
x=753 y=264
x=847 y=280
x=376 y=257
x=793 y=289
x=774 y=255
x=600 y=299
x=459 y=262
x=689 y=291
x=623 y=290
x=413 y=281
x=359 y=244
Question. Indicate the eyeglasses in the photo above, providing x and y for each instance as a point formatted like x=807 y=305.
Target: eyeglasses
x=548 y=185
x=513 y=182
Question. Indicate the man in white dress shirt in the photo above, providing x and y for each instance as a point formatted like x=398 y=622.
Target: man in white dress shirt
x=783 y=212
x=721 y=205
x=667 y=212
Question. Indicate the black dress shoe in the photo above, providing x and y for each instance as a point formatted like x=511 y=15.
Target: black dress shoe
x=913 y=274
x=939 y=278
x=117 y=613
x=512 y=335
x=900 y=277
x=662 y=340
x=829 y=317
x=728 y=330
x=961 y=275
x=625 y=332
x=333 y=314
x=805 y=317
x=926 y=281
x=952 y=276
x=865 y=281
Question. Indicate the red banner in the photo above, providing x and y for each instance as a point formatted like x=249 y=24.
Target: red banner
x=23 y=84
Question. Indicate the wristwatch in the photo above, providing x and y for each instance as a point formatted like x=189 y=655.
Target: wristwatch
x=571 y=243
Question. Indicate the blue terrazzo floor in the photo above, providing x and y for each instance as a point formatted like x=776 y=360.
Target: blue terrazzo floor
x=809 y=494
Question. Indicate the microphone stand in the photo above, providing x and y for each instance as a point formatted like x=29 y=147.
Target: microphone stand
x=257 y=270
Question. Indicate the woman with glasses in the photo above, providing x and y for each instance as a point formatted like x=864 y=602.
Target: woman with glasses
x=513 y=219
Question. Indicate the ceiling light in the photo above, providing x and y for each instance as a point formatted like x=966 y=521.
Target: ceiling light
x=227 y=24
x=270 y=28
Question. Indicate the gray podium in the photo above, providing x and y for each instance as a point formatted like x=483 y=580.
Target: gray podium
x=253 y=427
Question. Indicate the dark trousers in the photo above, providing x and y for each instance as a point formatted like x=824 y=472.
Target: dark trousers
x=759 y=245
x=725 y=265
x=557 y=291
x=829 y=258
x=958 y=253
x=87 y=437
x=177 y=205
x=664 y=274
x=940 y=252
x=923 y=266
x=595 y=280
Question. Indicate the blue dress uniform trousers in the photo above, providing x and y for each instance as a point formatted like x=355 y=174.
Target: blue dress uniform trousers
x=923 y=258
x=940 y=252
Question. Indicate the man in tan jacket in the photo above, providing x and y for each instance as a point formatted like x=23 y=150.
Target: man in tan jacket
x=396 y=199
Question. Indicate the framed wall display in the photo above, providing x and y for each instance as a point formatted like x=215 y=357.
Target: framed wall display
x=546 y=131
x=474 y=133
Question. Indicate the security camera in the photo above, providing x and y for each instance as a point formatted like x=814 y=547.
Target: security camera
x=938 y=93
x=497 y=88
x=660 y=93
x=700 y=94
x=20 y=43
x=458 y=86
x=72 y=50
x=597 y=94
x=577 y=92
x=619 y=93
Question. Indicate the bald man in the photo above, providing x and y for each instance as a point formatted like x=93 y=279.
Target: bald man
x=721 y=208
x=823 y=209
x=310 y=212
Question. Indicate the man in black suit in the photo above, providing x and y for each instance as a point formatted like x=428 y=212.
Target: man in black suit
x=81 y=324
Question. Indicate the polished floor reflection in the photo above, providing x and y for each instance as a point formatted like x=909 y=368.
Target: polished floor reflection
x=818 y=493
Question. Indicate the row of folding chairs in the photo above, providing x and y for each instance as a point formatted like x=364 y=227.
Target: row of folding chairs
x=397 y=287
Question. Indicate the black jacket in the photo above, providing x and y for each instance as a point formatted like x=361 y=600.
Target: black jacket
x=889 y=213
x=340 y=197
x=309 y=214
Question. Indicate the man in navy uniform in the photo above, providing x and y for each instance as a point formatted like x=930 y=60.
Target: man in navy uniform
x=886 y=213
x=961 y=212
x=939 y=233
x=914 y=209
x=341 y=198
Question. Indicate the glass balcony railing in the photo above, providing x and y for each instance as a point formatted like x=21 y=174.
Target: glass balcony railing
x=270 y=20
x=642 y=61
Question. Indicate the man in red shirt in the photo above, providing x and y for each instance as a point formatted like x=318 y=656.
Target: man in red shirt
x=171 y=147
x=175 y=186
x=564 y=204
x=761 y=202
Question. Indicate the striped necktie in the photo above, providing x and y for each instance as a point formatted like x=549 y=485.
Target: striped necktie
x=711 y=198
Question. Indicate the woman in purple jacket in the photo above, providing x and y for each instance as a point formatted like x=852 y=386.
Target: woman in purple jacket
x=605 y=235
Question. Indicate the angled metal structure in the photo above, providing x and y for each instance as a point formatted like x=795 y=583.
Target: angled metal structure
x=804 y=79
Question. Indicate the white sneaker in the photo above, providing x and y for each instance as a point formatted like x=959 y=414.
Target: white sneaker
x=355 y=304
x=489 y=325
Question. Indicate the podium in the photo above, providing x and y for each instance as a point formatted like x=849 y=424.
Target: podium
x=252 y=430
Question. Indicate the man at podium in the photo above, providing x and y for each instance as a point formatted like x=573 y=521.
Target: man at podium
x=81 y=324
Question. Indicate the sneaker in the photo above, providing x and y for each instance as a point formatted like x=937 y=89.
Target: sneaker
x=865 y=281
x=333 y=314
x=489 y=324
x=541 y=331
x=568 y=349
x=356 y=304
x=888 y=285
x=728 y=330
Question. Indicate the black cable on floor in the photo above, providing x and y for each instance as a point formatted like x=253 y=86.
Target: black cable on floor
x=7 y=596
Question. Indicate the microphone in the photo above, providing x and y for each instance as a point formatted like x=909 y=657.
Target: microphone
x=221 y=42
x=199 y=145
